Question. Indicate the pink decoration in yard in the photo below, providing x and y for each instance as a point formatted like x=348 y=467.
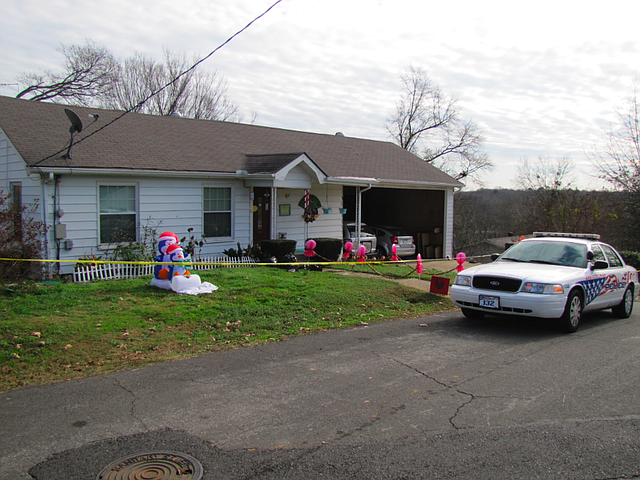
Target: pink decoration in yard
x=461 y=258
x=394 y=251
x=419 y=265
x=348 y=246
x=309 y=246
x=362 y=250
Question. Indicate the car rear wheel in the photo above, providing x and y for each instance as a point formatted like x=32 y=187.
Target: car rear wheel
x=467 y=312
x=570 y=320
x=625 y=307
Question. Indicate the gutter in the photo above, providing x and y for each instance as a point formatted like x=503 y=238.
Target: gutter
x=241 y=174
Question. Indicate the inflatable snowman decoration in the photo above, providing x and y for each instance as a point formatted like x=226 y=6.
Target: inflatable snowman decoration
x=174 y=275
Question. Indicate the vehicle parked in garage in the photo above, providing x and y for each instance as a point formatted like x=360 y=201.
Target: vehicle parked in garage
x=367 y=237
x=552 y=275
x=389 y=236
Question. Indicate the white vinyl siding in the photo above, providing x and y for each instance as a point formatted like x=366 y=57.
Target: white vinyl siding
x=325 y=226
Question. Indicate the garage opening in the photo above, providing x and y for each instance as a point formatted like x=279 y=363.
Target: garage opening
x=420 y=212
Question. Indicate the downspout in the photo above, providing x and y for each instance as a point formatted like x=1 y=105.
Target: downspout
x=44 y=206
x=273 y=199
x=56 y=206
x=359 y=212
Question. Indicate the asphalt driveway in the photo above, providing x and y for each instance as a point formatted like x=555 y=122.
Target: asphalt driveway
x=435 y=397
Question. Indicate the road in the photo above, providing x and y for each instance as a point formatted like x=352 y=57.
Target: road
x=437 y=397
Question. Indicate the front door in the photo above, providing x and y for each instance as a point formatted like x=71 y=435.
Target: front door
x=261 y=214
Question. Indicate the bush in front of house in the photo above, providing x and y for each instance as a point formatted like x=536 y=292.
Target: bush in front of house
x=277 y=248
x=328 y=249
x=20 y=238
x=631 y=258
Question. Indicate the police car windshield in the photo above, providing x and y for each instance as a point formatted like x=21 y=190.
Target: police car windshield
x=550 y=253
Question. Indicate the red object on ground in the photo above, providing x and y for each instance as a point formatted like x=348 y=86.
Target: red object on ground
x=439 y=285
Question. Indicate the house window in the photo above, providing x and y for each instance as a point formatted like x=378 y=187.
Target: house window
x=217 y=212
x=118 y=217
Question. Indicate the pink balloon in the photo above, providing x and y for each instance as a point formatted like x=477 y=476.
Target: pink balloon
x=419 y=266
x=311 y=244
x=461 y=258
x=394 y=249
x=361 y=251
x=348 y=246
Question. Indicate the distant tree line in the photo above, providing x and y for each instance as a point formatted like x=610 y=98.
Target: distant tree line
x=547 y=200
x=494 y=213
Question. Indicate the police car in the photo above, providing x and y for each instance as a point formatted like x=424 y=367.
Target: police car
x=552 y=275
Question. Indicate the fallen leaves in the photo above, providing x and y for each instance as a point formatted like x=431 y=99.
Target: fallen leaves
x=36 y=334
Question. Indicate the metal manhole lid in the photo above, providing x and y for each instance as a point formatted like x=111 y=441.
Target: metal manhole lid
x=153 y=466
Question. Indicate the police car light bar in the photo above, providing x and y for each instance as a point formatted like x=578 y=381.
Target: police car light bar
x=587 y=236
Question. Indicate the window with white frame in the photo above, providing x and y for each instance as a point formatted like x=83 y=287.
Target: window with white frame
x=217 y=211
x=118 y=216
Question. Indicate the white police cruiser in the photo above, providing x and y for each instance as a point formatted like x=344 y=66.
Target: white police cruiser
x=552 y=275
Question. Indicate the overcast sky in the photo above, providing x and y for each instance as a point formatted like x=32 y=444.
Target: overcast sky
x=539 y=78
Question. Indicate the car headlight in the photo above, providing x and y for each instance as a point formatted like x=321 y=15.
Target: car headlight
x=463 y=280
x=542 y=288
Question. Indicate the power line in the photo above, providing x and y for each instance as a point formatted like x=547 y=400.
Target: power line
x=153 y=94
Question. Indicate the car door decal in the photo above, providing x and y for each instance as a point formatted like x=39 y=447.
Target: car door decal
x=592 y=288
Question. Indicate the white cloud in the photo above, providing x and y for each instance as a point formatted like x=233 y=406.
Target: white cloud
x=541 y=79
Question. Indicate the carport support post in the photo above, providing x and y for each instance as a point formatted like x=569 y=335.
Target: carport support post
x=359 y=192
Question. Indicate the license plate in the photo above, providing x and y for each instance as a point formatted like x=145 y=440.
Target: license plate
x=367 y=246
x=489 y=302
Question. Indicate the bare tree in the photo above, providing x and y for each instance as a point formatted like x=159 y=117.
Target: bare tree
x=427 y=122
x=93 y=77
x=553 y=205
x=194 y=94
x=89 y=71
x=545 y=173
x=618 y=161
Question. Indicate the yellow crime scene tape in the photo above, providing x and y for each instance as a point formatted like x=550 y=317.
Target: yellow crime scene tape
x=122 y=262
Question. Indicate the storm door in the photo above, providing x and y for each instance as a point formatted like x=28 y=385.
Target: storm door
x=261 y=214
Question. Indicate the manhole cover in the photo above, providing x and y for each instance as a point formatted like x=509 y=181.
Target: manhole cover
x=153 y=466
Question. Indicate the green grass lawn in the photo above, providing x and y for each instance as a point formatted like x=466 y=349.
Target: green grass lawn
x=51 y=332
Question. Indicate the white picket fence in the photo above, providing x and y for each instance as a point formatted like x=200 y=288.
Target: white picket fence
x=114 y=271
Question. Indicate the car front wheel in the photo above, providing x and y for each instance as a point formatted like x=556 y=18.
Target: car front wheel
x=572 y=315
x=625 y=307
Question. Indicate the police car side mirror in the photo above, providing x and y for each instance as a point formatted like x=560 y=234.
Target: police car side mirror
x=599 y=265
x=494 y=256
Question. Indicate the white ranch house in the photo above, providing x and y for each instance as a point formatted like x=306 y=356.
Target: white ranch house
x=230 y=182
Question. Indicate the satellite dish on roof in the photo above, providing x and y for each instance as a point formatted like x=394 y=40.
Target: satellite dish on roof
x=76 y=123
x=76 y=127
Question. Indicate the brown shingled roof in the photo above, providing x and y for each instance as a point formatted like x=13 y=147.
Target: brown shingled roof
x=39 y=130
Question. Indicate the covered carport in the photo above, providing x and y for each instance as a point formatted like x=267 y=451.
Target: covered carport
x=426 y=213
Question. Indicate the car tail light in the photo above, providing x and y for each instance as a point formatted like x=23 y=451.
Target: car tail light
x=394 y=240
